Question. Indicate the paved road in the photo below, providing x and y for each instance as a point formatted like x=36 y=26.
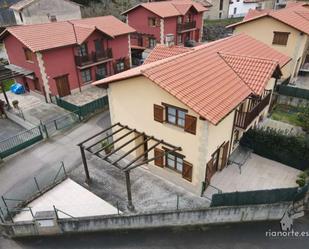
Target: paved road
x=235 y=236
x=47 y=154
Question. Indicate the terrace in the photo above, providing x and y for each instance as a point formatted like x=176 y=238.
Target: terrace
x=94 y=57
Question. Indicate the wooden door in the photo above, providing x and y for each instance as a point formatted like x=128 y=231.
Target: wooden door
x=225 y=152
x=210 y=171
x=63 y=86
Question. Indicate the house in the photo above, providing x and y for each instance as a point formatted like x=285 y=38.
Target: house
x=219 y=9
x=239 y=8
x=66 y=56
x=43 y=11
x=165 y=22
x=201 y=99
x=285 y=30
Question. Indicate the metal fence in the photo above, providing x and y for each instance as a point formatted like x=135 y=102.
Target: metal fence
x=293 y=91
x=20 y=141
x=259 y=197
x=85 y=110
x=63 y=122
x=15 y=200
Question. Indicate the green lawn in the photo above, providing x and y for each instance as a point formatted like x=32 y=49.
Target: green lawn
x=7 y=85
x=287 y=114
x=223 y=22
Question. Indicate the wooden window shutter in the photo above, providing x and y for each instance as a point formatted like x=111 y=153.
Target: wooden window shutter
x=190 y=124
x=159 y=157
x=158 y=113
x=187 y=171
x=158 y=22
x=225 y=154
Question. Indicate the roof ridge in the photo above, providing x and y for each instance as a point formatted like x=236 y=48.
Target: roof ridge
x=248 y=56
x=229 y=65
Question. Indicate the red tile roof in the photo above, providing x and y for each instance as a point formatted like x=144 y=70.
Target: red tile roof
x=169 y=8
x=206 y=79
x=161 y=52
x=294 y=15
x=25 y=3
x=39 y=37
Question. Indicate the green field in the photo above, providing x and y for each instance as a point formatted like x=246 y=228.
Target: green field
x=286 y=114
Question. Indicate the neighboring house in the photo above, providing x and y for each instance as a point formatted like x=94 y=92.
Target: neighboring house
x=43 y=11
x=165 y=22
x=285 y=30
x=66 y=56
x=201 y=99
x=239 y=8
x=219 y=9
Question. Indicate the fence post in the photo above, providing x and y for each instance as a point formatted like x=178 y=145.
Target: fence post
x=30 y=209
x=56 y=213
x=37 y=185
x=62 y=165
x=118 y=208
x=7 y=208
x=177 y=202
x=55 y=123
x=44 y=129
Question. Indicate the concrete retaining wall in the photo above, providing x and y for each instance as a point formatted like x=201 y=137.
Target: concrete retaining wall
x=292 y=101
x=152 y=220
x=20 y=121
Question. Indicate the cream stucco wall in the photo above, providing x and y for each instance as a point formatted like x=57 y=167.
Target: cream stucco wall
x=263 y=29
x=131 y=103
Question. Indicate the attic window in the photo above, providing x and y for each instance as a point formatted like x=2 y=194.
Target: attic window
x=153 y=22
x=28 y=54
x=281 y=38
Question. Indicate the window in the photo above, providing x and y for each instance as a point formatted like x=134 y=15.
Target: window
x=179 y=19
x=179 y=39
x=28 y=54
x=98 y=45
x=82 y=50
x=101 y=71
x=280 y=38
x=152 y=22
x=221 y=5
x=175 y=116
x=120 y=66
x=174 y=161
x=21 y=17
x=86 y=75
x=235 y=11
x=53 y=18
x=152 y=42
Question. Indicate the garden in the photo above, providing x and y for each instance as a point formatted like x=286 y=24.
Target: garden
x=7 y=84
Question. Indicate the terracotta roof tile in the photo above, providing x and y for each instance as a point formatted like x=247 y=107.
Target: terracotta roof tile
x=24 y=3
x=161 y=51
x=294 y=15
x=169 y=8
x=205 y=81
x=45 y=36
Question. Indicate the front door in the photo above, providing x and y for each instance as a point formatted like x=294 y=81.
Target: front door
x=63 y=85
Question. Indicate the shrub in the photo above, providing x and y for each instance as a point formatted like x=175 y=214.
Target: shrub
x=279 y=146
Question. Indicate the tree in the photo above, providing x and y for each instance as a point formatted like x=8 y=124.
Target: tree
x=303 y=116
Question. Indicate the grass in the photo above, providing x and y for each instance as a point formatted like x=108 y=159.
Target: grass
x=223 y=22
x=7 y=85
x=287 y=114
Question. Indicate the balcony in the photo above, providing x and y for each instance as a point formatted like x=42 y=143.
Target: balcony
x=244 y=119
x=94 y=57
x=182 y=27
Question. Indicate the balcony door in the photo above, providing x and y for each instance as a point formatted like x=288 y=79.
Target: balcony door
x=63 y=85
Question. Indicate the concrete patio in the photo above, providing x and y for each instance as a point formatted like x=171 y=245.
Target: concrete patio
x=257 y=173
x=302 y=81
x=9 y=129
x=87 y=95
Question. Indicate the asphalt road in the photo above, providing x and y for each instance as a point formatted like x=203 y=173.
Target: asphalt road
x=232 y=236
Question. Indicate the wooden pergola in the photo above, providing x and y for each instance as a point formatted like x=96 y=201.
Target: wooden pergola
x=8 y=72
x=94 y=146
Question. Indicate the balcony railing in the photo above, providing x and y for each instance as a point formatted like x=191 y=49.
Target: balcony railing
x=93 y=57
x=186 y=26
x=244 y=119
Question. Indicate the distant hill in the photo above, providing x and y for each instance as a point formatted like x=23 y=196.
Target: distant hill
x=6 y=15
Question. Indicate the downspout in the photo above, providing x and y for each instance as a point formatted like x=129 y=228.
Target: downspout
x=77 y=74
x=232 y=135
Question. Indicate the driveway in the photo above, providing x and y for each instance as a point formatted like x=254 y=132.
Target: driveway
x=35 y=109
x=257 y=173
x=9 y=129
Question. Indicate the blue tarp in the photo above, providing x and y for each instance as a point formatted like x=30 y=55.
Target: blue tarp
x=17 y=88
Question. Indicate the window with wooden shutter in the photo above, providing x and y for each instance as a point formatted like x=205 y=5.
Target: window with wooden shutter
x=187 y=171
x=281 y=38
x=225 y=154
x=159 y=157
x=190 y=124
x=158 y=113
x=28 y=54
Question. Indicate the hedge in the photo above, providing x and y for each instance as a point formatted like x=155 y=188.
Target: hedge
x=279 y=146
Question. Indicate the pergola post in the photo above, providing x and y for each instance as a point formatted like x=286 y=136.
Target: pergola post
x=5 y=96
x=82 y=152
x=128 y=183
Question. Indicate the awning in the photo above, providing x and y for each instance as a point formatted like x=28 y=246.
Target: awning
x=11 y=71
